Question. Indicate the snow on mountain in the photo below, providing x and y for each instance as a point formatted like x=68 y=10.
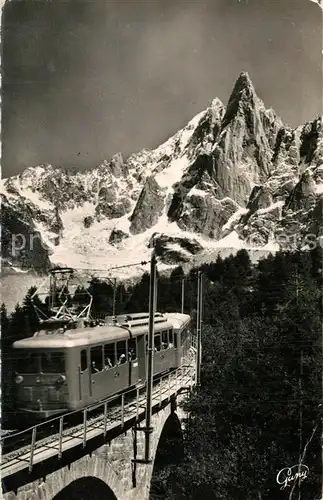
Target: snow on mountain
x=233 y=176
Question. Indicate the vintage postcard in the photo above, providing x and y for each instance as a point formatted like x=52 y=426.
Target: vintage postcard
x=161 y=250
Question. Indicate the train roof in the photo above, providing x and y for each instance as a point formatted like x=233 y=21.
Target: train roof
x=95 y=335
x=73 y=338
x=178 y=320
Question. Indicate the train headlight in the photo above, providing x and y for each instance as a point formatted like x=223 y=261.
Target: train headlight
x=60 y=381
x=18 y=379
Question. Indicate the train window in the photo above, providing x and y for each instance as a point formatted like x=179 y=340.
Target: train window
x=157 y=342
x=164 y=339
x=27 y=362
x=96 y=359
x=83 y=360
x=175 y=339
x=171 y=338
x=52 y=362
x=132 y=349
x=121 y=352
x=109 y=356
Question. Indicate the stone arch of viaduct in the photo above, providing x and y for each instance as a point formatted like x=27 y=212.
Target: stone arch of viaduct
x=108 y=470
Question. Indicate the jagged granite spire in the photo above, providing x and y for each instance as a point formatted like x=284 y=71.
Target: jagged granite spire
x=243 y=93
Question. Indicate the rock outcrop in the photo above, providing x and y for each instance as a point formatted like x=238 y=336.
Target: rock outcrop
x=117 y=236
x=173 y=250
x=21 y=244
x=149 y=207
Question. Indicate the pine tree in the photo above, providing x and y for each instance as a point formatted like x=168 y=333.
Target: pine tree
x=176 y=277
x=102 y=294
x=139 y=300
x=258 y=370
x=4 y=321
x=29 y=306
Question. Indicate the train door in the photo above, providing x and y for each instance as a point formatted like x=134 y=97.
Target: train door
x=121 y=369
x=98 y=373
x=182 y=344
x=85 y=381
x=177 y=346
x=112 y=383
x=141 y=354
x=133 y=362
x=158 y=355
x=165 y=352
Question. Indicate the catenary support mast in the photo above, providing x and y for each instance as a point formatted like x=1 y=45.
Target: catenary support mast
x=199 y=327
x=150 y=357
x=183 y=285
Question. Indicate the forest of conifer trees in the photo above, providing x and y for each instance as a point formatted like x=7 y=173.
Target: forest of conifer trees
x=258 y=407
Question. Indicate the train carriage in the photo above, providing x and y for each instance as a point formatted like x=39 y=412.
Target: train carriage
x=70 y=368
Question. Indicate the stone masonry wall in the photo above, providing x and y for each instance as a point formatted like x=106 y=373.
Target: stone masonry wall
x=111 y=463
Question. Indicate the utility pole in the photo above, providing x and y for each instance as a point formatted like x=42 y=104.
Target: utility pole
x=156 y=292
x=52 y=290
x=183 y=284
x=150 y=360
x=201 y=313
x=199 y=327
x=114 y=297
x=300 y=379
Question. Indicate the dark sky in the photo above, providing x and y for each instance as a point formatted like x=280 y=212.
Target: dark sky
x=83 y=80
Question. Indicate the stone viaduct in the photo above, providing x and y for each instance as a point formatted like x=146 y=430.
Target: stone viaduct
x=104 y=468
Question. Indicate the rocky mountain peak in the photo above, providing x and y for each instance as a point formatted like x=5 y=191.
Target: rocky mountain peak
x=232 y=172
x=116 y=165
x=242 y=98
x=217 y=108
x=243 y=84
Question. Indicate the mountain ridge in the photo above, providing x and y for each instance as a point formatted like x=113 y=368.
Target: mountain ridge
x=233 y=175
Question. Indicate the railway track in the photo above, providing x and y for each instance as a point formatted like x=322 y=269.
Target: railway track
x=56 y=443
x=15 y=443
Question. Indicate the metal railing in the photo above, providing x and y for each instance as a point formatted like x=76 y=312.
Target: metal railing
x=124 y=408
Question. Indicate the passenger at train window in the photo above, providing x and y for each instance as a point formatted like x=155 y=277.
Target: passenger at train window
x=122 y=359
x=131 y=355
x=170 y=345
x=157 y=342
x=94 y=368
x=96 y=358
x=164 y=336
x=132 y=349
x=109 y=356
x=172 y=339
x=122 y=349
x=108 y=363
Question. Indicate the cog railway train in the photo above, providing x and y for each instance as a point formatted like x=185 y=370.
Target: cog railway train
x=66 y=367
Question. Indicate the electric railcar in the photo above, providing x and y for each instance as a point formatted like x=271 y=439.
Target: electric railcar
x=67 y=369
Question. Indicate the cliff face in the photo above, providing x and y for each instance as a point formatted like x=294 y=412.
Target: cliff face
x=233 y=175
x=149 y=207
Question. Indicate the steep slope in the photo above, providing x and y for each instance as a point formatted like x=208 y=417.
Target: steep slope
x=287 y=208
x=218 y=183
x=78 y=214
